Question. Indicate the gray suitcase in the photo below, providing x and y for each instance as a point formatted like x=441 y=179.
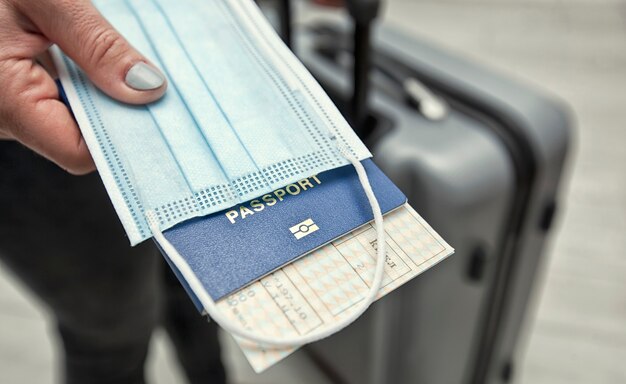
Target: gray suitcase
x=485 y=176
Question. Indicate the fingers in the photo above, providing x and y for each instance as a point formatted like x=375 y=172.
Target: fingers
x=30 y=111
x=45 y=60
x=38 y=119
x=107 y=58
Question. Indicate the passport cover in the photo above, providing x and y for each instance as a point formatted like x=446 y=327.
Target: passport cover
x=232 y=248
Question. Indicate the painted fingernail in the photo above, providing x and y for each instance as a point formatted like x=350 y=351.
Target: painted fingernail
x=143 y=77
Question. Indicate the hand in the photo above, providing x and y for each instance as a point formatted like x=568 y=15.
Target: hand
x=30 y=110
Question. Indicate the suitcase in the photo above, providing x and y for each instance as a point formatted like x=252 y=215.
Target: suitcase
x=480 y=157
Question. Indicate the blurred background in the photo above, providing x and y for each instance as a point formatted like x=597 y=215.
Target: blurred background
x=576 y=328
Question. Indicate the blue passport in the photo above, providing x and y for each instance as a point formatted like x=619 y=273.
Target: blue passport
x=230 y=249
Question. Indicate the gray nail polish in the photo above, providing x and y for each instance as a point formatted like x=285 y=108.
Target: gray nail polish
x=143 y=77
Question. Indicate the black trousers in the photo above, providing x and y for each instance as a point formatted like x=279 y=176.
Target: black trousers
x=60 y=235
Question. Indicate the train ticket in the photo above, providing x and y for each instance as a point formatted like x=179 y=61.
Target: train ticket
x=324 y=285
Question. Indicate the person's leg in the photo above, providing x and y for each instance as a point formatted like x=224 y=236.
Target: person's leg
x=193 y=336
x=60 y=235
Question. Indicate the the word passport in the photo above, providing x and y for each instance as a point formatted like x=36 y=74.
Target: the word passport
x=237 y=246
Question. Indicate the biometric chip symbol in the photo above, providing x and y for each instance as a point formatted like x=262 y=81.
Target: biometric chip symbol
x=304 y=228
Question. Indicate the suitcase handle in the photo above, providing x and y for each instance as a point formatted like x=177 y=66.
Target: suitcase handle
x=284 y=16
x=363 y=13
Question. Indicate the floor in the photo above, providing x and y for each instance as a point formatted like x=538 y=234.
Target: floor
x=577 y=50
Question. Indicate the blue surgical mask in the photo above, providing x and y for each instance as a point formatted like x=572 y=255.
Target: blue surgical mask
x=241 y=117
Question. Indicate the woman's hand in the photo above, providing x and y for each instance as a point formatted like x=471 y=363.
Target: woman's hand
x=30 y=110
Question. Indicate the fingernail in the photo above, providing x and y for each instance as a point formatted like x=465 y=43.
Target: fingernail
x=143 y=77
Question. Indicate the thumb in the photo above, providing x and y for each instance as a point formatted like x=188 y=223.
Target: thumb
x=109 y=60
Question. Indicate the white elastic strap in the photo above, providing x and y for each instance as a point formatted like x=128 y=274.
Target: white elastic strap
x=228 y=324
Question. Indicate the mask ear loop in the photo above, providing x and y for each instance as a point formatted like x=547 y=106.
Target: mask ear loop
x=284 y=342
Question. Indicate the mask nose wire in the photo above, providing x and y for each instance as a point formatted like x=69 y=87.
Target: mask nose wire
x=284 y=342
